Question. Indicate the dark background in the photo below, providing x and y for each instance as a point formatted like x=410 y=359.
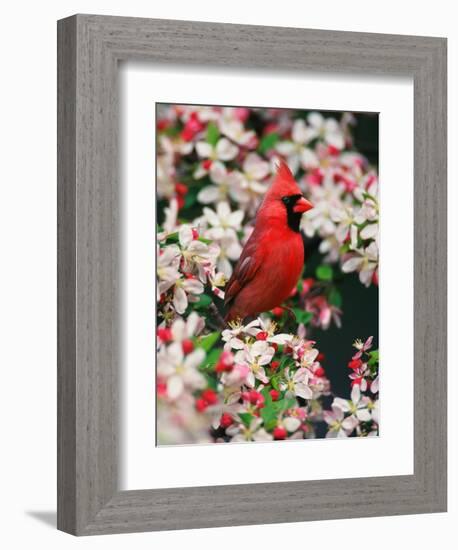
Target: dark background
x=360 y=305
x=360 y=319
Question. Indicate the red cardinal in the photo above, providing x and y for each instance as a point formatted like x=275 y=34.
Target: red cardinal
x=273 y=257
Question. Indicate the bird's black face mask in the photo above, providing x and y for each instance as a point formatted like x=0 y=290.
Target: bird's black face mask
x=293 y=215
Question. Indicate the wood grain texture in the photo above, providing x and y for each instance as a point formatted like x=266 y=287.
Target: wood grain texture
x=90 y=48
x=66 y=275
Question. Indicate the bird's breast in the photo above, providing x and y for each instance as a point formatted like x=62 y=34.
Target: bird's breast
x=278 y=274
x=287 y=261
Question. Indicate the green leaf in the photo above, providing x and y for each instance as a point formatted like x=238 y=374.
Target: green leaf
x=208 y=341
x=212 y=382
x=286 y=361
x=335 y=298
x=172 y=238
x=267 y=397
x=268 y=142
x=374 y=357
x=203 y=303
x=212 y=133
x=324 y=272
x=171 y=131
x=268 y=412
x=270 y=424
x=285 y=404
x=246 y=418
x=275 y=382
x=302 y=316
x=191 y=196
x=208 y=364
x=206 y=241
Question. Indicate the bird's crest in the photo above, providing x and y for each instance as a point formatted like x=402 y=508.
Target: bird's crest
x=283 y=184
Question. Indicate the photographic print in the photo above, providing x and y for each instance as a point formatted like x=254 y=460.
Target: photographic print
x=267 y=274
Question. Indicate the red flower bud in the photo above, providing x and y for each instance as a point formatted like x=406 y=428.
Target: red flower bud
x=164 y=334
x=187 y=346
x=319 y=372
x=280 y=433
x=375 y=277
x=355 y=364
x=277 y=311
x=163 y=124
x=333 y=150
x=161 y=388
x=221 y=367
x=357 y=381
x=209 y=396
x=320 y=357
x=195 y=233
x=274 y=394
x=192 y=127
x=186 y=135
x=201 y=405
x=350 y=185
x=206 y=164
x=181 y=188
x=246 y=395
x=225 y=363
x=254 y=397
x=262 y=335
x=274 y=365
x=226 y=420
x=287 y=349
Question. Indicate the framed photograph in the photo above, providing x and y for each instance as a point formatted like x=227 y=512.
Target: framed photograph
x=251 y=275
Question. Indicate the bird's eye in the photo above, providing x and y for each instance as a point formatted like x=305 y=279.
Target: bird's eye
x=290 y=199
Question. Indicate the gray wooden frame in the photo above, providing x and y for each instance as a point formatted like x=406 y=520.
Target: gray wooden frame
x=89 y=49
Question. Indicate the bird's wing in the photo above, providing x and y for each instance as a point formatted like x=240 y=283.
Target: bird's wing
x=247 y=266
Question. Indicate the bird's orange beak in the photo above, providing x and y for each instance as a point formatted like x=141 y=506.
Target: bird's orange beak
x=302 y=205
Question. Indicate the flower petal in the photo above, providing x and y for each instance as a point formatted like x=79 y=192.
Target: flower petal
x=194 y=359
x=204 y=149
x=355 y=394
x=175 y=386
x=301 y=390
x=185 y=235
x=363 y=415
x=291 y=423
x=370 y=231
x=208 y=194
x=352 y=264
x=180 y=300
x=225 y=150
x=193 y=286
